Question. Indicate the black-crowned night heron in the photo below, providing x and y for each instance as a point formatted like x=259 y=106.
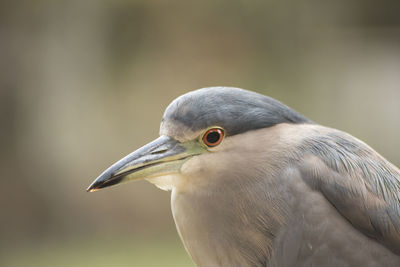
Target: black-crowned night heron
x=254 y=183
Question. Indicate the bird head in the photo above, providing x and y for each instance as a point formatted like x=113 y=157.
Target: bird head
x=200 y=132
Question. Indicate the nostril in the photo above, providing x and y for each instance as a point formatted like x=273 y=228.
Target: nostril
x=160 y=151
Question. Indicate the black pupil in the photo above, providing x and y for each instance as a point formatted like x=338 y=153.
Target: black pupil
x=213 y=137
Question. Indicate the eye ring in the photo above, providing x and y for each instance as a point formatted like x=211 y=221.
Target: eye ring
x=213 y=137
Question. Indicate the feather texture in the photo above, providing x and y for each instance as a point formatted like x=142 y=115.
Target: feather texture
x=361 y=184
x=289 y=196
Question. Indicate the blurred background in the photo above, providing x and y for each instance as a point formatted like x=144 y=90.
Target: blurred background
x=83 y=83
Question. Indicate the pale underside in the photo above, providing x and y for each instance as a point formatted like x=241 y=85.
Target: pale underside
x=269 y=198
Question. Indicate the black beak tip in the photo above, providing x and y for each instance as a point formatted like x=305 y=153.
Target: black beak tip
x=101 y=183
x=93 y=187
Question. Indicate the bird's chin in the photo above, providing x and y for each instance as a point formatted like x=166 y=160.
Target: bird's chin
x=165 y=182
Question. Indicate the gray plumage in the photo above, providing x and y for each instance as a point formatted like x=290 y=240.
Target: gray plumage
x=234 y=109
x=279 y=190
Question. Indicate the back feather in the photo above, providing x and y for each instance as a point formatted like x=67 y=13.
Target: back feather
x=362 y=185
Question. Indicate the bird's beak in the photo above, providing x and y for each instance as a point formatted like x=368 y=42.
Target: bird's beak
x=163 y=156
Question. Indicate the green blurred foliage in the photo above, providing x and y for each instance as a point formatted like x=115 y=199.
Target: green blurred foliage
x=82 y=83
x=101 y=252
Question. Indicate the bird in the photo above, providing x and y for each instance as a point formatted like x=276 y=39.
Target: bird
x=255 y=183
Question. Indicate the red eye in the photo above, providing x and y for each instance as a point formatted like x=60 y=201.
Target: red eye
x=213 y=137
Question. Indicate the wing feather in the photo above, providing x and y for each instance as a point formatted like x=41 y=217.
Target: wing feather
x=362 y=185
